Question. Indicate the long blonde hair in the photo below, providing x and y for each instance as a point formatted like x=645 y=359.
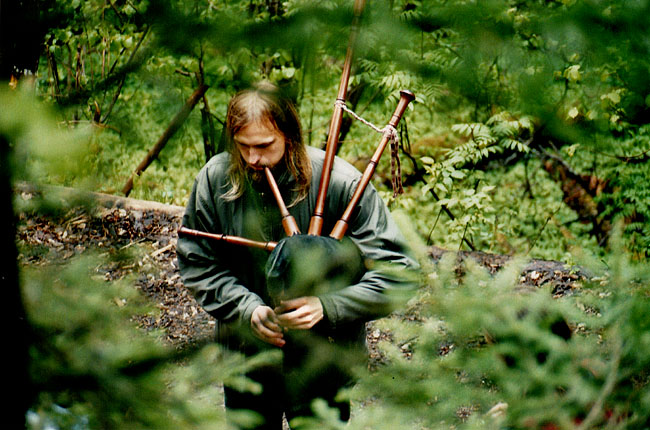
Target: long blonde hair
x=265 y=102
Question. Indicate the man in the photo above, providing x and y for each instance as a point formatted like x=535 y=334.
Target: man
x=231 y=196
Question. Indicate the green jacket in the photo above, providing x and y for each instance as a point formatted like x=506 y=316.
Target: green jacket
x=228 y=280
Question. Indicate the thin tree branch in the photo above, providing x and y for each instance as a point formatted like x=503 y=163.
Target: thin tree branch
x=173 y=127
x=119 y=87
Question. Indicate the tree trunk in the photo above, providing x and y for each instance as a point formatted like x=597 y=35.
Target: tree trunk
x=21 y=37
x=208 y=131
x=18 y=331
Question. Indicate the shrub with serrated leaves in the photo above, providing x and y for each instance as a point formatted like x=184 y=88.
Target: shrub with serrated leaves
x=627 y=170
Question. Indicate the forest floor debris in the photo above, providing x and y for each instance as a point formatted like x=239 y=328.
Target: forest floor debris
x=52 y=239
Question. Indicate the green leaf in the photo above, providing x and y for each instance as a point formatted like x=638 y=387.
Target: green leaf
x=457 y=174
x=288 y=72
x=427 y=160
x=572 y=73
x=613 y=96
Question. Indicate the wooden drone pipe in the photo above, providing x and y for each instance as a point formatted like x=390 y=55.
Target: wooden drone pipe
x=341 y=225
x=316 y=223
x=288 y=221
x=236 y=240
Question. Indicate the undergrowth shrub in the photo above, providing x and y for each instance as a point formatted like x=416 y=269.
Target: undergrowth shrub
x=483 y=351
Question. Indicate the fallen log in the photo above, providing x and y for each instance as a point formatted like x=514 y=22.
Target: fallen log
x=71 y=196
x=562 y=277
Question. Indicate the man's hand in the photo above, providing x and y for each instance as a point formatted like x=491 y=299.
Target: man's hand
x=265 y=326
x=301 y=314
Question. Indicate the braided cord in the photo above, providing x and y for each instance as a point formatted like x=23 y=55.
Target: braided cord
x=391 y=133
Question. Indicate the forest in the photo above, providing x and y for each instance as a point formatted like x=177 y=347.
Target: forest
x=527 y=142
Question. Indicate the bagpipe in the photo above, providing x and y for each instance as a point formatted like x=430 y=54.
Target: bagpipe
x=340 y=262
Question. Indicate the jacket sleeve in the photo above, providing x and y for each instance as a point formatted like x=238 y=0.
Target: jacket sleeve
x=392 y=274
x=202 y=268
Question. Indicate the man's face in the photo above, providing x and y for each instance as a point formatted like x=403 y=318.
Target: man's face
x=260 y=144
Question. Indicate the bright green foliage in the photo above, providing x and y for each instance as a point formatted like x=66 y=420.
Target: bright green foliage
x=90 y=365
x=488 y=353
x=498 y=85
x=571 y=70
x=512 y=96
x=91 y=361
x=93 y=368
x=628 y=167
